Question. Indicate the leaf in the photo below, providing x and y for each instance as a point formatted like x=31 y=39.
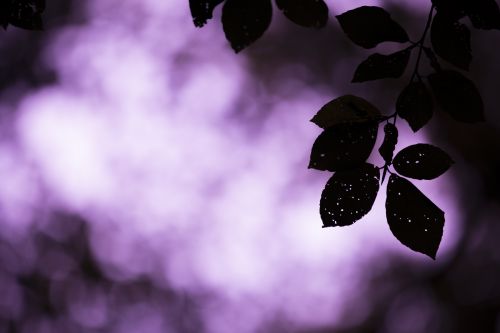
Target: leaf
x=457 y=95
x=307 y=13
x=349 y=195
x=343 y=146
x=245 y=21
x=27 y=14
x=484 y=14
x=202 y=10
x=345 y=109
x=415 y=105
x=422 y=161
x=451 y=41
x=379 y=66
x=369 y=26
x=413 y=219
x=386 y=150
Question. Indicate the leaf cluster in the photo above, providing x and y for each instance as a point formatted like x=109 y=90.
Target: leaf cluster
x=351 y=124
x=245 y=21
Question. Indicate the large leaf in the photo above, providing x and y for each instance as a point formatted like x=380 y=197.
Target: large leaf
x=484 y=14
x=422 y=161
x=415 y=105
x=386 y=150
x=457 y=95
x=307 y=13
x=349 y=195
x=201 y=10
x=345 y=109
x=451 y=41
x=369 y=26
x=379 y=66
x=343 y=146
x=245 y=21
x=413 y=219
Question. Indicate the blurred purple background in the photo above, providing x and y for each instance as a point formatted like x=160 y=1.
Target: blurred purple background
x=154 y=181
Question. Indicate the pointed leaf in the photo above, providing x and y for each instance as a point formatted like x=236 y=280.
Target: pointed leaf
x=422 y=161
x=386 y=150
x=415 y=105
x=343 y=146
x=451 y=41
x=413 y=219
x=307 y=13
x=457 y=95
x=484 y=14
x=369 y=26
x=245 y=21
x=349 y=195
x=345 y=109
x=379 y=66
x=201 y=10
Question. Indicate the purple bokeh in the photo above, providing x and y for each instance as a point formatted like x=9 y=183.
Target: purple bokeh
x=138 y=137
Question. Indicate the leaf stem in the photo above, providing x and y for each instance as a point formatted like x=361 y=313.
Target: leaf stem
x=420 y=43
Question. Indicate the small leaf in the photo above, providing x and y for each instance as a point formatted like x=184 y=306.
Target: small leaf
x=202 y=10
x=422 y=161
x=245 y=21
x=484 y=14
x=369 y=26
x=451 y=41
x=345 y=109
x=379 y=66
x=415 y=105
x=343 y=146
x=349 y=195
x=413 y=219
x=307 y=13
x=457 y=95
x=386 y=150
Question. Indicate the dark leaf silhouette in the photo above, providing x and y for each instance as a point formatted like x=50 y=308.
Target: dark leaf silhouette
x=422 y=161
x=484 y=14
x=345 y=109
x=386 y=150
x=245 y=21
x=369 y=26
x=379 y=66
x=451 y=41
x=307 y=13
x=349 y=195
x=343 y=146
x=413 y=219
x=23 y=14
x=201 y=10
x=457 y=95
x=415 y=105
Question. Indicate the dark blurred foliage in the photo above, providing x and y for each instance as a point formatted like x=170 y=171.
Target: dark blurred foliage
x=459 y=293
x=47 y=275
x=21 y=47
